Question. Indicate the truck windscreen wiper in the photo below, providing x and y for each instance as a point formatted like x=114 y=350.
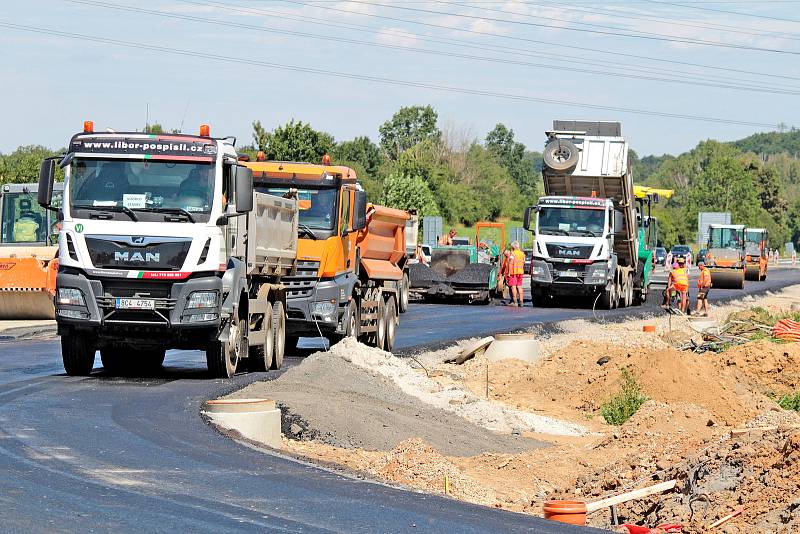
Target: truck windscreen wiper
x=116 y=209
x=554 y=231
x=307 y=231
x=176 y=211
x=586 y=232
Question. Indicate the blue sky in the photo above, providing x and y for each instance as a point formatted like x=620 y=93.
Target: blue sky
x=52 y=83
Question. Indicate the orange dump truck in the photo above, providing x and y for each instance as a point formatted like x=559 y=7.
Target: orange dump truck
x=351 y=277
x=28 y=256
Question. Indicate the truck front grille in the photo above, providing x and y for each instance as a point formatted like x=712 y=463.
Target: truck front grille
x=301 y=284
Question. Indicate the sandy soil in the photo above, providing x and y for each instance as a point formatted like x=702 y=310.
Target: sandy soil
x=434 y=428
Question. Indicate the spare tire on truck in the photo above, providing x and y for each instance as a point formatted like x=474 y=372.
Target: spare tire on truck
x=560 y=154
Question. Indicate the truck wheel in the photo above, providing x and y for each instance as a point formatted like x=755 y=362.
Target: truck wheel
x=607 y=297
x=278 y=334
x=77 y=352
x=223 y=357
x=628 y=288
x=404 y=293
x=379 y=336
x=391 y=324
x=560 y=155
x=260 y=358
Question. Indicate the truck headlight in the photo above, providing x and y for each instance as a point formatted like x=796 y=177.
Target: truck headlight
x=537 y=271
x=202 y=299
x=70 y=296
x=198 y=317
x=324 y=309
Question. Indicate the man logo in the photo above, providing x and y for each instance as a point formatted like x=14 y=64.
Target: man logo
x=569 y=252
x=147 y=257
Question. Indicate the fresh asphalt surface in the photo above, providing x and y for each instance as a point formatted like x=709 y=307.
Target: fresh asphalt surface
x=103 y=454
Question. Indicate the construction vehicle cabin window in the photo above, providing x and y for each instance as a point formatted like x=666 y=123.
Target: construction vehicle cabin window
x=726 y=238
x=571 y=221
x=317 y=206
x=142 y=185
x=23 y=220
x=345 y=218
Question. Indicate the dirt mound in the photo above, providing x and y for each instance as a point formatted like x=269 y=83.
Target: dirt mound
x=771 y=368
x=578 y=379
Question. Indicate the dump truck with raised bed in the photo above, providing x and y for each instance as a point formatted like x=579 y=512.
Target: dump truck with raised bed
x=351 y=277
x=587 y=226
x=28 y=253
x=461 y=273
x=726 y=255
x=165 y=245
x=756 y=243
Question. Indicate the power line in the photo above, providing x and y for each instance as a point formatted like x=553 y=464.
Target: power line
x=538 y=41
x=650 y=37
x=375 y=79
x=717 y=10
x=627 y=15
x=559 y=67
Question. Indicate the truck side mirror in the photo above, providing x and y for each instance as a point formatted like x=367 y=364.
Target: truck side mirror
x=47 y=173
x=359 y=210
x=526 y=221
x=243 y=184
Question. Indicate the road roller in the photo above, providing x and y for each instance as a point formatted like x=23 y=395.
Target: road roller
x=726 y=255
x=28 y=253
x=756 y=244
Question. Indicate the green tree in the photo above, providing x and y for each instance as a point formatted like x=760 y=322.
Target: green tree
x=409 y=192
x=520 y=164
x=360 y=150
x=295 y=141
x=408 y=127
x=23 y=164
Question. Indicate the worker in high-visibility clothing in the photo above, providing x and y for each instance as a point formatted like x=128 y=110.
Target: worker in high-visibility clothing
x=516 y=268
x=703 y=287
x=678 y=282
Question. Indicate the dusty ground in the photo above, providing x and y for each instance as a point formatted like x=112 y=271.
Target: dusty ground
x=433 y=428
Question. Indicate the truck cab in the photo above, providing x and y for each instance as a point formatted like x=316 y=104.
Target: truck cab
x=152 y=249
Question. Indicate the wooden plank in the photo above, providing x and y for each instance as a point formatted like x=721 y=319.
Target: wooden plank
x=629 y=496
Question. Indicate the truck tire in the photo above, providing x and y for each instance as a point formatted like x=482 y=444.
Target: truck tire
x=278 y=335
x=261 y=357
x=379 y=336
x=391 y=324
x=77 y=352
x=608 y=297
x=405 y=290
x=560 y=155
x=223 y=357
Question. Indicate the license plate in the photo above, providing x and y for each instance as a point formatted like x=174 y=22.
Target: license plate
x=569 y=274
x=136 y=304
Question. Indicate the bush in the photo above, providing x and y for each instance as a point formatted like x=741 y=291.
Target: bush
x=790 y=402
x=622 y=406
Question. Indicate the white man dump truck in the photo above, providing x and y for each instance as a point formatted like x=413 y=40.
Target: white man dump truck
x=165 y=245
x=590 y=237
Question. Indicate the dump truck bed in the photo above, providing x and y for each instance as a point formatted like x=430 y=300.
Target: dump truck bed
x=383 y=242
x=270 y=236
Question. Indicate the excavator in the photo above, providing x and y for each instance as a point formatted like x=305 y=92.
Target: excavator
x=28 y=253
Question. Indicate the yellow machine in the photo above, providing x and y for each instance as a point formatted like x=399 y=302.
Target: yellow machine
x=726 y=255
x=28 y=254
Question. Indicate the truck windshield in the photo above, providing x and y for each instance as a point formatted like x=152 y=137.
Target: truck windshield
x=725 y=238
x=317 y=206
x=571 y=221
x=142 y=185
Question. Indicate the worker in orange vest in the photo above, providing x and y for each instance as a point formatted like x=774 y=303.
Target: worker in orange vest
x=516 y=268
x=703 y=287
x=678 y=282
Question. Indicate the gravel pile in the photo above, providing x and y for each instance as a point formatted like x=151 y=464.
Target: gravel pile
x=422 y=275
